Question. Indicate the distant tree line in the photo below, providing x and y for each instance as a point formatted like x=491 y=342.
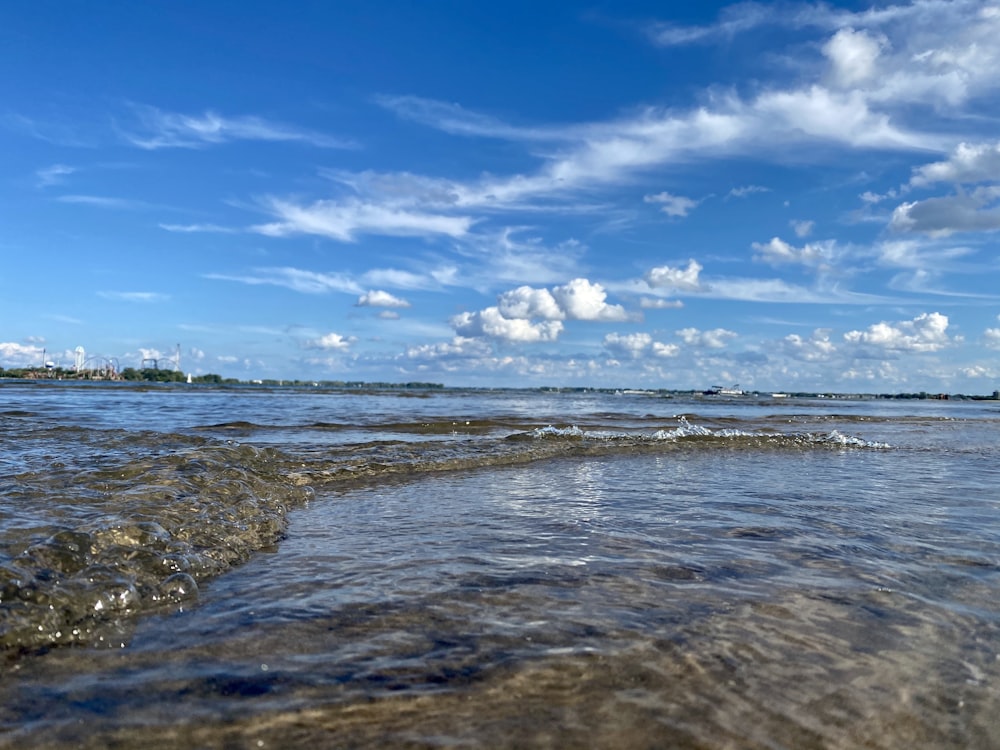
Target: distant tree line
x=148 y=374
x=154 y=375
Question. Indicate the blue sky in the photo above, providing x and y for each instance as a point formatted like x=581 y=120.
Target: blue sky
x=788 y=196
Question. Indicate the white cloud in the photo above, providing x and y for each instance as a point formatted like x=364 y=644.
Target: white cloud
x=509 y=256
x=816 y=348
x=734 y=19
x=20 y=355
x=454 y=119
x=331 y=342
x=812 y=254
x=154 y=129
x=672 y=205
x=342 y=221
x=852 y=55
x=927 y=332
x=309 y=282
x=978 y=211
x=458 y=347
x=665 y=350
x=196 y=228
x=802 y=228
x=135 y=296
x=717 y=338
x=968 y=163
x=648 y=303
x=678 y=279
x=53 y=175
x=745 y=190
x=527 y=302
x=926 y=52
x=992 y=338
x=581 y=299
x=530 y=315
x=631 y=345
x=378 y=298
x=926 y=255
x=873 y=198
x=490 y=323
x=432 y=278
x=102 y=201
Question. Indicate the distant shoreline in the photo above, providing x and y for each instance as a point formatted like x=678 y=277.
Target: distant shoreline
x=171 y=377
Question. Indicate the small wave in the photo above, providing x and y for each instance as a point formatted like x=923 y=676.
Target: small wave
x=159 y=525
x=838 y=438
x=686 y=431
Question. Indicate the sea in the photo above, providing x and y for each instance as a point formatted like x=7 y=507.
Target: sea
x=196 y=566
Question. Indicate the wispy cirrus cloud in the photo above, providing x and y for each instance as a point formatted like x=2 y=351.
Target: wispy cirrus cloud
x=593 y=157
x=103 y=201
x=296 y=279
x=344 y=221
x=142 y=297
x=455 y=119
x=151 y=128
x=198 y=228
x=53 y=175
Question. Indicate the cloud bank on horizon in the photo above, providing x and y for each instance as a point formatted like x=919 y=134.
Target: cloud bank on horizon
x=793 y=196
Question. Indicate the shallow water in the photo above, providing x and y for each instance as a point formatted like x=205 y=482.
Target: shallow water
x=496 y=569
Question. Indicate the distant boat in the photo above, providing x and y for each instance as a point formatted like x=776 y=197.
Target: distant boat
x=718 y=390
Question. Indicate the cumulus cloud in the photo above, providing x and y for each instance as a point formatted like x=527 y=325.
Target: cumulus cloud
x=802 y=228
x=968 y=163
x=665 y=350
x=672 y=205
x=852 y=55
x=527 y=302
x=992 y=337
x=939 y=217
x=677 y=279
x=628 y=345
x=378 y=298
x=635 y=345
x=458 y=347
x=490 y=323
x=816 y=348
x=927 y=332
x=331 y=342
x=649 y=303
x=873 y=198
x=581 y=299
x=813 y=254
x=20 y=355
x=530 y=315
x=717 y=338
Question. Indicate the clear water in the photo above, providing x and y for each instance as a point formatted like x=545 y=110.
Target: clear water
x=297 y=568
